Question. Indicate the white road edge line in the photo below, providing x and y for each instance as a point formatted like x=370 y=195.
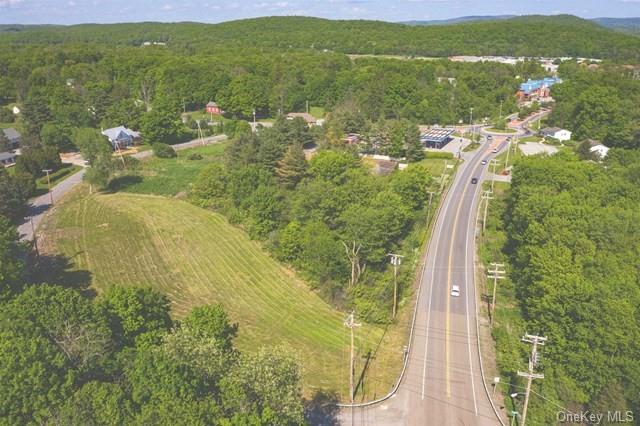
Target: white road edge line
x=433 y=271
x=466 y=280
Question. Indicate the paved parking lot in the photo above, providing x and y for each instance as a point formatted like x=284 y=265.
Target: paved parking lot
x=533 y=148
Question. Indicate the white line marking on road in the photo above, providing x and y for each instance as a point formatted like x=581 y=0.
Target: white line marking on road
x=466 y=280
x=438 y=230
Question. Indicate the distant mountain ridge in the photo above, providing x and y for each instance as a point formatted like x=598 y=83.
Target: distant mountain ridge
x=531 y=35
x=631 y=25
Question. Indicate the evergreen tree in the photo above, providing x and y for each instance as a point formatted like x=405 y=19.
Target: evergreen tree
x=292 y=167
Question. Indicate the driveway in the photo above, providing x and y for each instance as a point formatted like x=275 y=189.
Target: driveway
x=40 y=205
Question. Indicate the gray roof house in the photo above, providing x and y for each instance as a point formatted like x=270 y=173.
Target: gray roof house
x=121 y=137
x=8 y=158
x=12 y=136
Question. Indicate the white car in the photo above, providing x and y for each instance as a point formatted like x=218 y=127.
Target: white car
x=455 y=291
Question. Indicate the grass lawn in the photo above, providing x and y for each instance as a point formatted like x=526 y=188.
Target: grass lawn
x=471 y=147
x=494 y=130
x=317 y=112
x=168 y=176
x=530 y=139
x=196 y=257
x=435 y=165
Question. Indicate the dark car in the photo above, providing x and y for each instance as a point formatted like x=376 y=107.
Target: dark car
x=474 y=180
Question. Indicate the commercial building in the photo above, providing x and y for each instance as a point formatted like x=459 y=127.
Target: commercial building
x=533 y=90
x=436 y=138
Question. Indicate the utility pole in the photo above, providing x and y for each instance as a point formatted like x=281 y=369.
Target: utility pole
x=431 y=193
x=496 y=274
x=442 y=176
x=506 y=161
x=494 y=163
x=396 y=260
x=530 y=375
x=350 y=323
x=200 y=134
x=486 y=197
x=254 y=116
x=47 y=171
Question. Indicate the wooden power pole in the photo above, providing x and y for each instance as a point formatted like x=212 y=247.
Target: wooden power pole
x=396 y=260
x=350 y=323
x=47 y=171
x=496 y=274
x=486 y=197
x=530 y=375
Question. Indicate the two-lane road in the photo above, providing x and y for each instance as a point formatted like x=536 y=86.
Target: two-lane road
x=443 y=383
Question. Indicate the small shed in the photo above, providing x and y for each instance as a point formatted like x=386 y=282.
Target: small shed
x=8 y=159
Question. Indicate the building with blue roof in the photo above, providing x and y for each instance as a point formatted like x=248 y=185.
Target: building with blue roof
x=535 y=89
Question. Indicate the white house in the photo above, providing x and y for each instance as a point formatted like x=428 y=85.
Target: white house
x=121 y=137
x=600 y=151
x=556 y=133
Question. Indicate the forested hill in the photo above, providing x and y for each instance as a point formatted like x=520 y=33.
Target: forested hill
x=521 y=36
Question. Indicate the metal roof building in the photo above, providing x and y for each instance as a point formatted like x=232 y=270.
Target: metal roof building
x=436 y=138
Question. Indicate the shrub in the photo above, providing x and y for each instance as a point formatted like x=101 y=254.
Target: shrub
x=438 y=155
x=195 y=156
x=162 y=150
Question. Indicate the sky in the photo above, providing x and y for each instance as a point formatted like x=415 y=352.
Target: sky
x=109 y=11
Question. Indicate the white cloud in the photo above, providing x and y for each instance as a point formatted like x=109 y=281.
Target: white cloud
x=167 y=7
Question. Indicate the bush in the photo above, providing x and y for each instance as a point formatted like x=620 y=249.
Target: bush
x=162 y=150
x=6 y=115
x=195 y=156
x=438 y=155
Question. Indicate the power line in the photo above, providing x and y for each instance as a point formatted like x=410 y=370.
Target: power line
x=530 y=375
x=496 y=274
x=396 y=260
x=486 y=197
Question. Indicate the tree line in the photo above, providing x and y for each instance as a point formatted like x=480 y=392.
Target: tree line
x=560 y=36
x=328 y=216
x=598 y=103
x=573 y=239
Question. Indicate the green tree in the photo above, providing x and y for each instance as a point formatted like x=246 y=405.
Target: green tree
x=14 y=193
x=292 y=168
x=210 y=185
x=411 y=185
x=211 y=322
x=133 y=311
x=98 y=404
x=266 y=380
x=57 y=136
x=11 y=259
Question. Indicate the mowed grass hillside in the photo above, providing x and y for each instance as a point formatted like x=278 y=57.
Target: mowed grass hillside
x=196 y=257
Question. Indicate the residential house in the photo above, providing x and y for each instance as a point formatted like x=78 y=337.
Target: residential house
x=13 y=137
x=8 y=158
x=121 y=137
x=598 y=150
x=308 y=118
x=213 y=108
x=556 y=133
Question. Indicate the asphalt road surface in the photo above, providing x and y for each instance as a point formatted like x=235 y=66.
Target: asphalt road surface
x=443 y=383
x=40 y=205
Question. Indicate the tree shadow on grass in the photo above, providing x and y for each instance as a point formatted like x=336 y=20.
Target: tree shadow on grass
x=123 y=182
x=58 y=269
x=322 y=410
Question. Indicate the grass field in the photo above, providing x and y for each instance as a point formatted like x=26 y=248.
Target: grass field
x=506 y=130
x=196 y=257
x=168 y=176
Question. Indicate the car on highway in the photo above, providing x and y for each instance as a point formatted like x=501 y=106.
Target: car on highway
x=474 y=180
x=455 y=291
x=495 y=150
x=484 y=162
